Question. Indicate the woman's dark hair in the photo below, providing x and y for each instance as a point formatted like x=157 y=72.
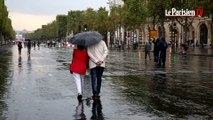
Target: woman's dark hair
x=80 y=47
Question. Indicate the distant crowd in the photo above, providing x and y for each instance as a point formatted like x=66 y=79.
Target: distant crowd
x=28 y=44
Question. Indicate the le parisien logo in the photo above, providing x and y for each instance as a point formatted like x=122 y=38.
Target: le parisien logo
x=198 y=12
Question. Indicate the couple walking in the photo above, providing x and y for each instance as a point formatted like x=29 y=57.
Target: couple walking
x=95 y=55
x=160 y=47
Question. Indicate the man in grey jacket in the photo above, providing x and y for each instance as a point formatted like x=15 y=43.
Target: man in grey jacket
x=97 y=54
x=148 y=48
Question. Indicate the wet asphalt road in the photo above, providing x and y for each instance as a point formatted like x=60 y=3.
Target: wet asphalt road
x=40 y=87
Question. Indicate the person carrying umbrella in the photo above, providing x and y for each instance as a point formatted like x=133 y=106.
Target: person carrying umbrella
x=78 y=68
x=97 y=52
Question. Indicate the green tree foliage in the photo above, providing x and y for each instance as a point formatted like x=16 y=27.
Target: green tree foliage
x=61 y=23
x=135 y=13
x=89 y=16
x=44 y=32
x=208 y=7
x=47 y=32
x=114 y=19
x=101 y=21
x=37 y=34
x=52 y=30
x=74 y=21
x=6 y=29
x=156 y=10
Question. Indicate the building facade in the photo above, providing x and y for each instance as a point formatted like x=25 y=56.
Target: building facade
x=199 y=32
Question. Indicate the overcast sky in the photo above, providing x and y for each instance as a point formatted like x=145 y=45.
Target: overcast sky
x=31 y=14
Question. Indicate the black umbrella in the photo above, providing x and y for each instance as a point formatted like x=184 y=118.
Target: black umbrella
x=86 y=38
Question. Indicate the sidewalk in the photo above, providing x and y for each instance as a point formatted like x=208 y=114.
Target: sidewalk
x=197 y=51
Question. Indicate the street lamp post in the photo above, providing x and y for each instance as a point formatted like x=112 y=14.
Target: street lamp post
x=128 y=39
x=134 y=40
x=175 y=32
x=85 y=27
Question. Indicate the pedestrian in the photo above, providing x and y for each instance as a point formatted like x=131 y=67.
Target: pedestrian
x=197 y=43
x=19 y=47
x=201 y=44
x=29 y=44
x=97 y=54
x=162 y=48
x=34 y=44
x=48 y=44
x=148 y=48
x=184 y=49
x=38 y=44
x=156 y=50
x=78 y=68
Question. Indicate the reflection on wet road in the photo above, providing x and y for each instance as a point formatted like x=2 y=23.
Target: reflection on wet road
x=5 y=73
x=40 y=87
x=181 y=90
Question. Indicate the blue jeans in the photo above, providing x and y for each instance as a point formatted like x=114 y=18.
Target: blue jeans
x=96 y=77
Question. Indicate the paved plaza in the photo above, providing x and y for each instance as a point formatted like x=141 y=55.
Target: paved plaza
x=40 y=87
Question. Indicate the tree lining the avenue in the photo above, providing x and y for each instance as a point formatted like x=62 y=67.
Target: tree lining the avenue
x=6 y=29
x=76 y=21
x=134 y=14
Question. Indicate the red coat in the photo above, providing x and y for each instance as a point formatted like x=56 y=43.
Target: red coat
x=79 y=61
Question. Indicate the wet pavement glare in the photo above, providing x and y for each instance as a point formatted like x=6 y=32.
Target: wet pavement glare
x=40 y=87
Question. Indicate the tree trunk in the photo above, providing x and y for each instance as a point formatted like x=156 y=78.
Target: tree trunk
x=212 y=33
x=185 y=28
x=0 y=38
x=153 y=22
x=162 y=26
x=112 y=37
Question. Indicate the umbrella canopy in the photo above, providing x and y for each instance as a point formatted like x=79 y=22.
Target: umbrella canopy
x=86 y=38
x=18 y=40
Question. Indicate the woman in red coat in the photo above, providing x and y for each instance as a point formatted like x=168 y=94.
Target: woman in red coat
x=78 y=68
